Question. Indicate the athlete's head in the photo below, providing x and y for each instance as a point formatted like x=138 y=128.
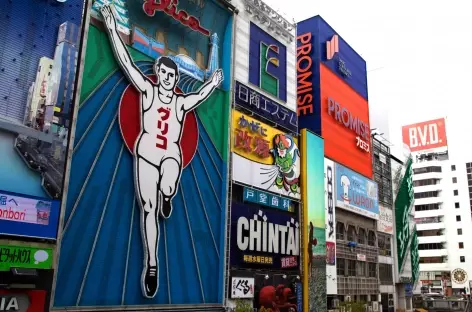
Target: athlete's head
x=167 y=72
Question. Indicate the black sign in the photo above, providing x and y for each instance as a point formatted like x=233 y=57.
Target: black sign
x=329 y=187
x=264 y=238
x=265 y=107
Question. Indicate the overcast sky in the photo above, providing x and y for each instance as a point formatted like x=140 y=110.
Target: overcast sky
x=418 y=53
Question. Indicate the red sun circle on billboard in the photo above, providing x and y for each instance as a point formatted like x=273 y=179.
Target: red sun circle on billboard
x=130 y=123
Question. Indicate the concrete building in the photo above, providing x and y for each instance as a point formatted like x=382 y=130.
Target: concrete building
x=39 y=87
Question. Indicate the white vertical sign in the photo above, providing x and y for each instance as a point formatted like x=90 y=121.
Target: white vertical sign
x=330 y=224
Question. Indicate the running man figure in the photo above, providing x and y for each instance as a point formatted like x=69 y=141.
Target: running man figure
x=157 y=154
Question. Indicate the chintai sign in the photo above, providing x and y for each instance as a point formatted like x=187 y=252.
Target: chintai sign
x=264 y=238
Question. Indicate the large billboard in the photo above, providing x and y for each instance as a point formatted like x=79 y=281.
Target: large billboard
x=332 y=95
x=37 y=83
x=313 y=184
x=356 y=193
x=426 y=136
x=144 y=222
x=385 y=223
x=264 y=238
x=265 y=157
x=330 y=217
x=264 y=56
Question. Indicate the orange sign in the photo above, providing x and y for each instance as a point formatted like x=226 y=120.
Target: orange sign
x=425 y=135
x=345 y=123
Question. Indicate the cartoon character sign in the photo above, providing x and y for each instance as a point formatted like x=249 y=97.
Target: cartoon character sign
x=345 y=184
x=287 y=159
x=157 y=152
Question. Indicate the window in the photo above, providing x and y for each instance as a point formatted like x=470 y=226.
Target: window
x=339 y=230
x=426 y=194
x=351 y=231
x=372 y=270
x=340 y=267
x=427 y=169
x=453 y=167
x=426 y=207
x=459 y=231
x=351 y=267
x=385 y=274
x=456 y=192
x=426 y=182
x=430 y=246
x=360 y=268
x=361 y=237
x=383 y=241
x=457 y=205
x=371 y=238
x=454 y=180
x=462 y=258
x=458 y=218
x=461 y=245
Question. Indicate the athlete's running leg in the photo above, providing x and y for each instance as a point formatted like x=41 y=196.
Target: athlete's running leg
x=170 y=177
x=147 y=177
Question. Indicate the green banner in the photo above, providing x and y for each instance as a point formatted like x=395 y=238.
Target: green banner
x=415 y=259
x=403 y=204
x=25 y=257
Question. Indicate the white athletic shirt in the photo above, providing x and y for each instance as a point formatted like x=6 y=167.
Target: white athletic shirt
x=161 y=129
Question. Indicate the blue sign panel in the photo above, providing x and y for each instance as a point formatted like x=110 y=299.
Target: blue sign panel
x=28 y=216
x=356 y=193
x=267 y=199
x=299 y=292
x=263 y=106
x=264 y=238
x=331 y=50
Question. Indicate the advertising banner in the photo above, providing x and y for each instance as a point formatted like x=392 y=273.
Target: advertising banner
x=28 y=216
x=242 y=287
x=415 y=258
x=264 y=238
x=268 y=200
x=144 y=223
x=23 y=300
x=314 y=222
x=265 y=157
x=330 y=216
x=426 y=136
x=403 y=203
x=356 y=193
x=24 y=257
x=263 y=106
x=41 y=64
x=385 y=223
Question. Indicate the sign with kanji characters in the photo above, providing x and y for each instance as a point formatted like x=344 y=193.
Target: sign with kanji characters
x=264 y=238
x=268 y=200
x=242 y=287
x=24 y=257
x=265 y=157
x=265 y=107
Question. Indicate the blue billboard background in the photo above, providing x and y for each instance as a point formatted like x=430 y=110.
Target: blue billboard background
x=356 y=193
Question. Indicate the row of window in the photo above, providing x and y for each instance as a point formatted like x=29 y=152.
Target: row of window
x=427 y=207
x=355 y=268
x=361 y=236
x=426 y=182
x=427 y=170
x=430 y=246
x=426 y=194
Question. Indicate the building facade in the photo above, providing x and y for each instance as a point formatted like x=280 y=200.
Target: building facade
x=442 y=209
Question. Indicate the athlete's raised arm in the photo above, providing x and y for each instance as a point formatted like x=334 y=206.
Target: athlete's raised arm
x=132 y=72
x=192 y=100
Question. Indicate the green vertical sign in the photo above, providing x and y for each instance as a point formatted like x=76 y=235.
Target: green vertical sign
x=403 y=204
x=24 y=257
x=415 y=259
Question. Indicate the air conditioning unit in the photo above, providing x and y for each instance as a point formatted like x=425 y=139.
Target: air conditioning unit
x=347 y=298
x=375 y=306
x=336 y=303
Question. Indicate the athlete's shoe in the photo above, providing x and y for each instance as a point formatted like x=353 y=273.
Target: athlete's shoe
x=166 y=208
x=151 y=281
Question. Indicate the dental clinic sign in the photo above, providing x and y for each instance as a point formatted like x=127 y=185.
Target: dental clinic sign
x=264 y=238
x=356 y=193
x=403 y=204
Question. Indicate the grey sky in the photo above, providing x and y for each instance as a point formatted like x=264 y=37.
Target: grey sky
x=418 y=56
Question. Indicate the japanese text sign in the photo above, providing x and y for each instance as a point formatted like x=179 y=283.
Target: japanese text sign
x=267 y=199
x=25 y=257
x=242 y=287
x=263 y=106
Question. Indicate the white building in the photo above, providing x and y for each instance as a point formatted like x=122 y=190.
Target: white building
x=40 y=86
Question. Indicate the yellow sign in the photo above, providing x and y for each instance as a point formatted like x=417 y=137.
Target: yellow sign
x=257 y=259
x=253 y=139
